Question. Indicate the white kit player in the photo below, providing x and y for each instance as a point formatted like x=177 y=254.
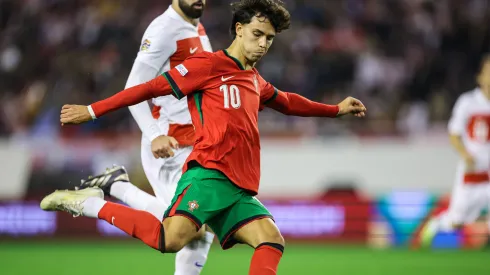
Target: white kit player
x=167 y=130
x=469 y=131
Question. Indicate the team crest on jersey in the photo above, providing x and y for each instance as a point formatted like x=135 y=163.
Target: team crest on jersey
x=193 y=205
x=256 y=83
x=145 y=45
x=480 y=130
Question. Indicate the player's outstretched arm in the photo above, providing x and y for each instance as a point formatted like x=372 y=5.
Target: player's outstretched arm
x=296 y=105
x=76 y=114
x=458 y=144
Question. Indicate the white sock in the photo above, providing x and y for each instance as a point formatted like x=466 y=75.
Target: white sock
x=156 y=208
x=445 y=223
x=137 y=198
x=190 y=259
x=91 y=207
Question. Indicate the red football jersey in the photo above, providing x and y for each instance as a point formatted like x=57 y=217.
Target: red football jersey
x=224 y=100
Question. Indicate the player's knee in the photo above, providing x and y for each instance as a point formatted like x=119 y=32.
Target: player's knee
x=200 y=234
x=173 y=246
x=175 y=242
x=272 y=237
x=177 y=235
x=279 y=239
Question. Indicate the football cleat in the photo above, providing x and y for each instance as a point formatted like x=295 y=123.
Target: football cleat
x=105 y=181
x=69 y=201
x=428 y=233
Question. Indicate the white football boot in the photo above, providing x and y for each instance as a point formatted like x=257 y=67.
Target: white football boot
x=70 y=201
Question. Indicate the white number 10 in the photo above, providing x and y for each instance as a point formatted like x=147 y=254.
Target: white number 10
x=231 y=95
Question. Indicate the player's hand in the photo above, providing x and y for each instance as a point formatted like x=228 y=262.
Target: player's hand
x=74 y=114
x=469 y=162
x=353 y=106
x=162 y=146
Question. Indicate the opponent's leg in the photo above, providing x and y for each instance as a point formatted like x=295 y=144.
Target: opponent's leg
x=465 y=206
x=115 y=182
x=447 y=220
x=137 y=198
x=487 y=199
x=163 y=176
x=190 y=259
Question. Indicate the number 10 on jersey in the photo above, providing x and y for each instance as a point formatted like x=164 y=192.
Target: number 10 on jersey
x=231 y=95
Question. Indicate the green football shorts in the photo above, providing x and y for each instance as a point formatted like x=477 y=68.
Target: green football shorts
x=207 y=196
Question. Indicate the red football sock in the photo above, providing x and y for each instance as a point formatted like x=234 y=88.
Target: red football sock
x=139 y=224
x=266 y=259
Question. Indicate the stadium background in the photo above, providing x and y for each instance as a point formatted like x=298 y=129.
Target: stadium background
x=350 y=195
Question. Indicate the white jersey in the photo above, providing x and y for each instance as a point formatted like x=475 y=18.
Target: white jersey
x=471 y=120
x=166 y=43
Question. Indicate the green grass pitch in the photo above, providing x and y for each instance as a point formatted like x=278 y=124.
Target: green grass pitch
x=133 y=258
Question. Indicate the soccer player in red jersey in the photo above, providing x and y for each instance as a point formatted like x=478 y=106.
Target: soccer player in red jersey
x=221 y=176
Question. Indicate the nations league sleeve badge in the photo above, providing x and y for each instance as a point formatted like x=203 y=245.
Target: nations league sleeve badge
x=145 y=45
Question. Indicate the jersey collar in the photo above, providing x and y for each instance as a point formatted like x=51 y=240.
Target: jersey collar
x=239 y=64
x=481 y=96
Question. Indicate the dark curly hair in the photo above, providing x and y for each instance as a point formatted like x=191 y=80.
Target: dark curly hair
x=273 y=10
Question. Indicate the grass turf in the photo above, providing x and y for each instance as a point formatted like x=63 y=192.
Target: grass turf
x=131 y=258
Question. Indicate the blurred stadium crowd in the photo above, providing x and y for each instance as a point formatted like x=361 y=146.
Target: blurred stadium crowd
x=407 y=60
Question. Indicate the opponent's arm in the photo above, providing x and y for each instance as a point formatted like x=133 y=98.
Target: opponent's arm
x=458 y=145
x=141 y=73
x=157 y=45
x=296 y=105
x=161 y=145
x=456 y=129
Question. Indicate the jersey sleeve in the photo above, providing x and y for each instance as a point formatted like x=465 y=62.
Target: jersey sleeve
x=190 y=76
x=457 y=122
x=291 y=103
x=157 y=45
x=267 y=94
x=131 y=96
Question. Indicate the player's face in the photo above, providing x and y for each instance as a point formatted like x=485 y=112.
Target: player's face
x=256 y=38
x=192 y=8
x=484 y=78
